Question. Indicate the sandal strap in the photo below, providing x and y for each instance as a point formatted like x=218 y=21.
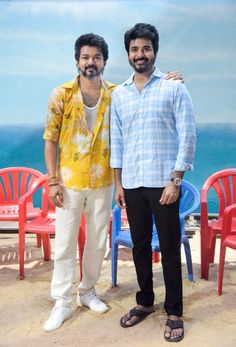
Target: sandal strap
x=138 y=313
x=175 y=324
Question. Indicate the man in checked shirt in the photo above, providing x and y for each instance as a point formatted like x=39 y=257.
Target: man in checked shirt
x=152 y=145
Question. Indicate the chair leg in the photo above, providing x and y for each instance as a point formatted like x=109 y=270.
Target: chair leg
x=81 y=244
x=188 y=260
x=204 y=262
x=114 y=256
x=39 y=243
x=221 y=269
x=21 y=250
x=212 y=250
x=46 y=247
x=155 y=257
x=110 y=233
x=206 y=270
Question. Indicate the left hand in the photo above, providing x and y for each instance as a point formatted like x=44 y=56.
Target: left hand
x=175 y=76
x=170 y=194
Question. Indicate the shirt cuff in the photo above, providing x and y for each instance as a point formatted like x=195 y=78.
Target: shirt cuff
x=183 y=167
x=49 y=136
x=116 y=163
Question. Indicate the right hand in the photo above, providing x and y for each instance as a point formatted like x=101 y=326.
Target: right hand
x=55 y=194
x=120 y=197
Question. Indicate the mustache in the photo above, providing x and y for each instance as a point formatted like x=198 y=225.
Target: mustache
x=141 y=59
x=91 y=67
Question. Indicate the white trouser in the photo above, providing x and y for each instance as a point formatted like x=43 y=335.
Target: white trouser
x=96 y=206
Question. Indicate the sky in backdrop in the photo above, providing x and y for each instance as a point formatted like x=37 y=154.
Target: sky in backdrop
x=197 y=38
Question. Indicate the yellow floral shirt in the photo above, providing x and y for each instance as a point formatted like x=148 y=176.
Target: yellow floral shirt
x=83 y=156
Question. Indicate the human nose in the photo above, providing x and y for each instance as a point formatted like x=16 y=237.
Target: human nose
x=90 y=61
x=140 y=53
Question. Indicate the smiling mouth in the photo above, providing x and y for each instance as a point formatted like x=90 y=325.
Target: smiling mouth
x=141 y=61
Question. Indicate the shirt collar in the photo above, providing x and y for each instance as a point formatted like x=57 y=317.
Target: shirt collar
x=156 y=73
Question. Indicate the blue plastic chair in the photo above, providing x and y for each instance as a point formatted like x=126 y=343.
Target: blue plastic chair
x=189 y=202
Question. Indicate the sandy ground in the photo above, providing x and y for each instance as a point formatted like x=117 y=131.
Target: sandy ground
x=25 y=305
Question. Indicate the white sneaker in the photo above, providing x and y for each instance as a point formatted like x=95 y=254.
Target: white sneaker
x=57 y=317
x=91 y=301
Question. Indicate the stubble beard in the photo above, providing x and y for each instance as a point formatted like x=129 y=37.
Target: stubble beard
x=146 y=67
x=93 y=75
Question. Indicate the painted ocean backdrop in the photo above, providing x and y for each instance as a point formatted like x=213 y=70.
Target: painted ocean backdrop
x=216 y=150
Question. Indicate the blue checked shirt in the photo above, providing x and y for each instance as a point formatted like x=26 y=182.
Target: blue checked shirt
x=152 y=132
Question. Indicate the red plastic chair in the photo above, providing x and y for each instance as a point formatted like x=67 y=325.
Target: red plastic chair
x=224 y=184
x=43 y=225
x=228 y=239
x=15 y=182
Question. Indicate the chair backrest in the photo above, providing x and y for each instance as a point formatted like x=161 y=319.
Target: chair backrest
x=189 y=202
x=224 y=184
x=16 y=181
x=190 y=199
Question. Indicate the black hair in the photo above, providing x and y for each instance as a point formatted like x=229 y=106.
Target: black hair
x=142 y=30
x=93 y=41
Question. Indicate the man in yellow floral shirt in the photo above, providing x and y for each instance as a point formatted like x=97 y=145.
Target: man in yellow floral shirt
x=77 y=154
x=81 y=181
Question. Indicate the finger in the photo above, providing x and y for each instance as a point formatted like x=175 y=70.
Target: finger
x=163 y=198
x=178 y=78
x=172 y=75
x=123 y=202
x=53 y=199
x=60 y=196
x=57 y=201
x=169 y=201
x=118 y=202
x=172 y=199
x=167 y=75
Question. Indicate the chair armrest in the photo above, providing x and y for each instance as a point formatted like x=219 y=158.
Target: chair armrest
x=40 y=182
x=229 y=213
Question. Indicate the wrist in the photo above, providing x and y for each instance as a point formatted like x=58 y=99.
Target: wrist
x=53 y=181
x=53 y=184
x=177 y=181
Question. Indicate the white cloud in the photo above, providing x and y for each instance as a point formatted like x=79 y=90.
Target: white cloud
x=212 y=76
x=33 y=67
x=33 y=36
x=91 y=10
x=183 y=55
x=81 y=9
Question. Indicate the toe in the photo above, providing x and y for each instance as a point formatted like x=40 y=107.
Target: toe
x=167 y=332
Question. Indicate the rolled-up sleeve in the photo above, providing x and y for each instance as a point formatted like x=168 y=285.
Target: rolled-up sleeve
x=186 y=129
x=116 y=136
x=54 y=117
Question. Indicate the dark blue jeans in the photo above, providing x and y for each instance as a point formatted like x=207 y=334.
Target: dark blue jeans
x=142 y=205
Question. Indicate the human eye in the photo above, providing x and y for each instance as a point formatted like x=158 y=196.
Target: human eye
x=98 y=57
